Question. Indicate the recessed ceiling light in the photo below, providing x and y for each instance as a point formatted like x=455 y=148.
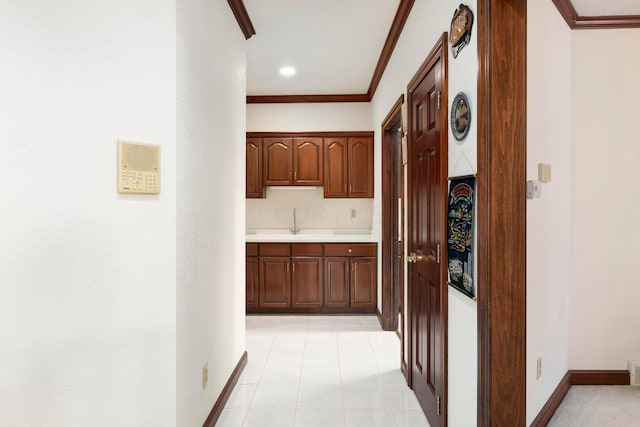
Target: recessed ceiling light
x=287 y=71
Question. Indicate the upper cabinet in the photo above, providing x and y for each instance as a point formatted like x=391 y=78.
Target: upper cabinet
x=254 y=188
x=342 y=162
x=307 y=161
x=278 y=161
x=348 y=167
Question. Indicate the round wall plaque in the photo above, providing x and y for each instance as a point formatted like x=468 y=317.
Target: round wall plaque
x=460 y=116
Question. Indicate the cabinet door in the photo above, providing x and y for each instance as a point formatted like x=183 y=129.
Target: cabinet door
x=361 y=167
x=278 y=161
x=336 y=152
x=363 y=282
x=336 y=279
x=307 y=281
x=275 y=282
x=253 y=275
x=307 y=161
x=254 y=187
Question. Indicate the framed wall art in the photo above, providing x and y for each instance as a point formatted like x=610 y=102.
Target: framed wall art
x=460 y=216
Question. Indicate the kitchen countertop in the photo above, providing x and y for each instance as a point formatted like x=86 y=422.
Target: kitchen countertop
x=310 y=236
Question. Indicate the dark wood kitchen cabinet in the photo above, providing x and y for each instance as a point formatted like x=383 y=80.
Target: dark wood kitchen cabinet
x=351 y=275
x=275 y=275
x=307 y=273
x=293 y=161
x=336 y=287
x=308 y=161
x=253 y=275
x=348 y=170
x=278 y=161
x=312 y=278
x=254 y=187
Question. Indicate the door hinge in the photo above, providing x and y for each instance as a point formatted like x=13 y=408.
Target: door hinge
x=438 y=255
x=439 y=93
x=438 y=411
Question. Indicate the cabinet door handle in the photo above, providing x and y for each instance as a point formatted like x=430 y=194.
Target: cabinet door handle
x=287 y=267
x=293 y=266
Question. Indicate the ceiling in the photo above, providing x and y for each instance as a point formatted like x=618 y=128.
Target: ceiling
x=606 y=7
x=334 y=45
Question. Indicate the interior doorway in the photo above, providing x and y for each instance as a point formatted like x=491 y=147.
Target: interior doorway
x=427 y=269
x=392 y=312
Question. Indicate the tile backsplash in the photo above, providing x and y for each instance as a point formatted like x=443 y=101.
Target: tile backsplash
x=313 y=211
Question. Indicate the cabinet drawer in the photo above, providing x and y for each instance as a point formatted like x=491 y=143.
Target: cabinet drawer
x=252 y=249
x=275 y=249
x=306 y=249
x=350 y=249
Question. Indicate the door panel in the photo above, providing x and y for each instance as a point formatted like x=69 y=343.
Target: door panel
x=361 y=167
x=307 y=161
x=278 y=161
x=275 y=282
x=427 y=215
x=253 y=274
x=307 y=281
x=336 y=275
x=254 y=187
x=363 y=282
x=335 y=167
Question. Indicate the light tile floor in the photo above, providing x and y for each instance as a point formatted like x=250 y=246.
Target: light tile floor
x=599 y=406
x=327 y=371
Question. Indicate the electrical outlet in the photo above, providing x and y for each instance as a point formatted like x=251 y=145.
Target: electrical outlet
x=539 y=368
x=205 y=375
x=354 y=213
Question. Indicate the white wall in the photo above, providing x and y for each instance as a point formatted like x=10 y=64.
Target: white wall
x=210 y=203
x=330 y=116
x=548 y=217
x=87 y=301
x=426 y=23
x=604 y=199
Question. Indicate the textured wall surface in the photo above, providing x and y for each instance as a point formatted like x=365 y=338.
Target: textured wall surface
x=87 y=294
x=210 y=287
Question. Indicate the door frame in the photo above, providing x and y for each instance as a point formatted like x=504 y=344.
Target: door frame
x=438 y=53
x=501 y=211
x=391 y=218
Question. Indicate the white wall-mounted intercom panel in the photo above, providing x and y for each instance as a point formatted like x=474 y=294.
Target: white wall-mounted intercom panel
x=138 y=168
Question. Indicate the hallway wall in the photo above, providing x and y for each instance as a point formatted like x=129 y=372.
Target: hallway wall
x=210 y=289
x=87 y=294
x=604 y=201
x=548 y=217
x=425 y=25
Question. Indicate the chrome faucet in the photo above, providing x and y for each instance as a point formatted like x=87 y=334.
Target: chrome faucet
x=294 y=230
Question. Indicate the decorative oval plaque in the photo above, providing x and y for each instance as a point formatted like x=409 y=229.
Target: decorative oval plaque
x=460 y=116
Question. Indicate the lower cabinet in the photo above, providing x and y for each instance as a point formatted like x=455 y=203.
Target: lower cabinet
x=311 y=277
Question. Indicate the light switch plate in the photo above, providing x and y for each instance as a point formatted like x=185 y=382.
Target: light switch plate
x=544 y=172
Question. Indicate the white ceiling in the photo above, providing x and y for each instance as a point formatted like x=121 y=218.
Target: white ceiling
x=606 y=7
x=333 y=44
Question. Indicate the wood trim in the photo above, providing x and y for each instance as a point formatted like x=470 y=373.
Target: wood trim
x=575 y=377
x=339 y=134
x=226 y=392
x=501 y=208
x=577 y=22
x=404 y=8
x=600 y=377
x=556 y=398
x=242 y=16
x=389 y=318
x=287 y=99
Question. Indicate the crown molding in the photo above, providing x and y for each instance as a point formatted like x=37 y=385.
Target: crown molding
x=286 y=99
x=576 y=22
x=242 y=16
